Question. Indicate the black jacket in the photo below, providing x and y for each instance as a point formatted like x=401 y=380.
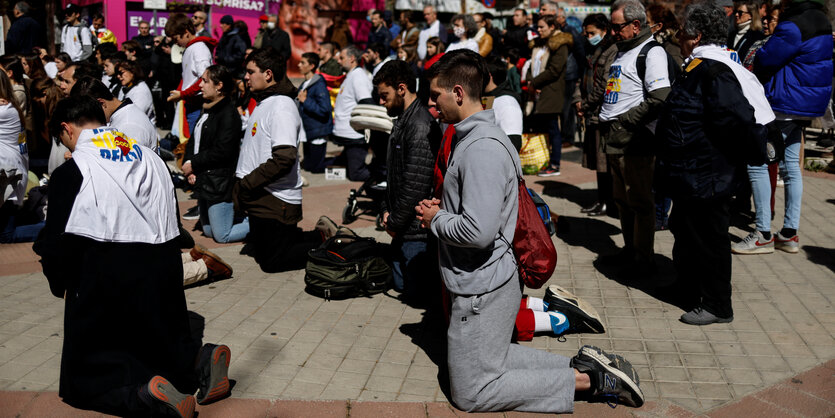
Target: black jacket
x=744 y=44
x=231 y=50
x=24 y=34
x=279 y=40
x=215 y=162
x=706 y=134
x=413 y=143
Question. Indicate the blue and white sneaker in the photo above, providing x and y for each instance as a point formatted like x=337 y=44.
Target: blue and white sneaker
x=559 y=322
x=614 y=380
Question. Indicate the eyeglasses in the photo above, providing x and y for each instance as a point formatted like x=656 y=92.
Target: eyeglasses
x=740 y=13
x=617 y=27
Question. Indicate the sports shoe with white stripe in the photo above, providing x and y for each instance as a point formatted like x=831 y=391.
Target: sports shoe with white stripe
x=582 y=317
x=613 y=378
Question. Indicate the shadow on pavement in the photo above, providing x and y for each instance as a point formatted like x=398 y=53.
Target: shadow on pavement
x=664 y=285
x=570 y=192
x=430 y=336
x=830 y=201
x=589 y=233
x=820 y=255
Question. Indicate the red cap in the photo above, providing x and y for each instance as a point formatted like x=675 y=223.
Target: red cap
x=263 y=18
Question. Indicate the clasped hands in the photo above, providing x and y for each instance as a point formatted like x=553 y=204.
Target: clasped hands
x=426 y=210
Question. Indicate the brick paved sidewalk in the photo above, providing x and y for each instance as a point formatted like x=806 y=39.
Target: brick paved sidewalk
x=290 y=347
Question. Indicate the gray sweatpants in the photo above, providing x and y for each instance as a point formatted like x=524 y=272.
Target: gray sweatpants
x=488 y=373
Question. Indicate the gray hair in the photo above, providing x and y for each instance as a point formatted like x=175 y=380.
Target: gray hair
x=706 y=19
x=632 y=10
x=353 y=51
x=23 y=7
x=469 y=24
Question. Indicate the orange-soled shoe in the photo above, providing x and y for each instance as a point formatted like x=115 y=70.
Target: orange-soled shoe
x=164 y=399
x=213 y=367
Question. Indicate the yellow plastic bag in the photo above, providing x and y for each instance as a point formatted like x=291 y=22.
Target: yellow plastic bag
x=534 y=151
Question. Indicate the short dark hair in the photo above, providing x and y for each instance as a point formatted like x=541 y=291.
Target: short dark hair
x=312 y=59
x=84 y=69
x=107 y=49
x=79 y=110
x=380 y=49
x=132 y=46
x=512 y=55
x=332 y=47
x=269 y=59
x=116 y=57
x=220 y=74
x=460 y=67
x=407 y=15
x=521 y=9
x=97 y=16
x=133 y=68
x=93 y=87
x=497 y=69
x=598 y=20
x=71 y=8
x=63 y=57
x=179 y=24
x=397 y=72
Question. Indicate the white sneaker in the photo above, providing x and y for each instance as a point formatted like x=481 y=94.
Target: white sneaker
x=754 y=243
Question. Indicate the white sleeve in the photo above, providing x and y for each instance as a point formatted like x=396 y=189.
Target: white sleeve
x=656 y=76
x=508 y=115
x=362 y=88
x=86 y=37
x=202 y=60
x=421 y=47
x=289 y=121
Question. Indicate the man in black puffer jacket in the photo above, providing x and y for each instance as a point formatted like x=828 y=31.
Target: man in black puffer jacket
x=413 y=144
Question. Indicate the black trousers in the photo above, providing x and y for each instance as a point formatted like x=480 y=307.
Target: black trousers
x=279 y=246
x=702 y=251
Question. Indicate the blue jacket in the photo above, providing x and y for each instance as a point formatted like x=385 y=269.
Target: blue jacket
x=316 y=111
x=795 y=65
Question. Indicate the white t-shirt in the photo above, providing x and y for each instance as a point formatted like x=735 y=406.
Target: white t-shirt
x=133 y=122
x=14 y=155
x=126 y=194
x=196 y=59
x=357 y=86
x=140 y=95
x=274 y=122
x=70 y=42
x=198 y=131
x=425 y=34
x=508 y=115
x=624 y=90
x=470 y=44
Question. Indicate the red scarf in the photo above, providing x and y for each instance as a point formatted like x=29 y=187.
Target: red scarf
x=442 y=160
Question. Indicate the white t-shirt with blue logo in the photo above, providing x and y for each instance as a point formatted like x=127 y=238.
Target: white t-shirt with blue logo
x=274 y=122
x=624 y=90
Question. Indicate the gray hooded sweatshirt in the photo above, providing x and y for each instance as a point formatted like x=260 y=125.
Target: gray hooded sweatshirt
x=479 y=205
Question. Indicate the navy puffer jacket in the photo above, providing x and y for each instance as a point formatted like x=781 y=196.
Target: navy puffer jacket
x=795 y=65
x=316 y=111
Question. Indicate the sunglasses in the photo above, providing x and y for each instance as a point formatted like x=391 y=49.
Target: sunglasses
x=617 y=27
x=740 y=13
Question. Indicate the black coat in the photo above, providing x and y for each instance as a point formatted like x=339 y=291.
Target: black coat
x=215 y=162
x=279 y=40
x=24 y=33
x=744 y=45
x=706 y=134
x=231 y=50
x=413 y=143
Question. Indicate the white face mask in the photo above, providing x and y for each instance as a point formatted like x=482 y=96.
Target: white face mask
x=270 y=25
x=459 y=31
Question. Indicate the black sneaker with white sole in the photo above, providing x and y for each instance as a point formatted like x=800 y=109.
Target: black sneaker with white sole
x=192 y=214
x=582 y=317
x=614 y=380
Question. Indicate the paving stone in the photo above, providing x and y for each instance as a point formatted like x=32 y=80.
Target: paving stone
x=334 y=409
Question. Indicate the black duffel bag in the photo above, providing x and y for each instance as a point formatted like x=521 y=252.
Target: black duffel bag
x=347 y=266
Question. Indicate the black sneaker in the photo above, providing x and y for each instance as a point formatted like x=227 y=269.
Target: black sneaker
x=192 y=214
x=213 y=366
x=581 y=316
x=165 y=400
x=613 y=378
x=826 y=142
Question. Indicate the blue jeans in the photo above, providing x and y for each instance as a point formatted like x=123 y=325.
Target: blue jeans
x=793 y=182
x=552 y=125
x=409 y=264
x=10 y=233
x=192 y=113
x=761 y=189
x=218 y=222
